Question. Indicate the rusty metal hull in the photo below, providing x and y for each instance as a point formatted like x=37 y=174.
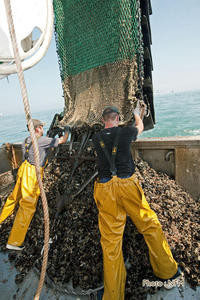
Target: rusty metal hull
x=178 y=157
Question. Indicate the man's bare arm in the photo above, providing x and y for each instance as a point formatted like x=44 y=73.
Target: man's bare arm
x=139 y=123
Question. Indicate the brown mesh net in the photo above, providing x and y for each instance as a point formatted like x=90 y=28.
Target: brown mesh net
x=87 y=93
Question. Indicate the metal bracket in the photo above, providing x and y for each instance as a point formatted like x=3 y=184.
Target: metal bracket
x=168 y=154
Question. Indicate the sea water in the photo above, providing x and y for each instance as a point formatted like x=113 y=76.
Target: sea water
x=176 y=114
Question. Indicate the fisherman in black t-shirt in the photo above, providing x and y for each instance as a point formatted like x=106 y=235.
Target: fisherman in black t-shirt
x=117 y=193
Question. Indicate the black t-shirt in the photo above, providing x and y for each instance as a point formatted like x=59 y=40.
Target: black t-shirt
x=124 y=162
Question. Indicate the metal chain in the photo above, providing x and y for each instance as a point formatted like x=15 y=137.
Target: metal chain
x=34 y=141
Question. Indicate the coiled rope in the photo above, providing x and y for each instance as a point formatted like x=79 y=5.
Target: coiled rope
x=34 y=141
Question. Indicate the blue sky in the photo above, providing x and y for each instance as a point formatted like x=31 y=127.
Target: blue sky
x=176 y=49
x=175 y=28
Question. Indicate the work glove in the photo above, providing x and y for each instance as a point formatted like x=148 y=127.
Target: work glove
x=67 y=129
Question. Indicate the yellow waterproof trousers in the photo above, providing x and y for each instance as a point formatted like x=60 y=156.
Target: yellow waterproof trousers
x=26 y=192
x=115 y=199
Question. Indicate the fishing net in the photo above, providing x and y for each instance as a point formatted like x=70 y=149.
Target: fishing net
x=100 y=50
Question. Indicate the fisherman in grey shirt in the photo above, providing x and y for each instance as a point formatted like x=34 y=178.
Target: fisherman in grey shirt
x=26 y=191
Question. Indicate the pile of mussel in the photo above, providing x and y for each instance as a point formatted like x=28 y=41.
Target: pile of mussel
x=75 y=253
